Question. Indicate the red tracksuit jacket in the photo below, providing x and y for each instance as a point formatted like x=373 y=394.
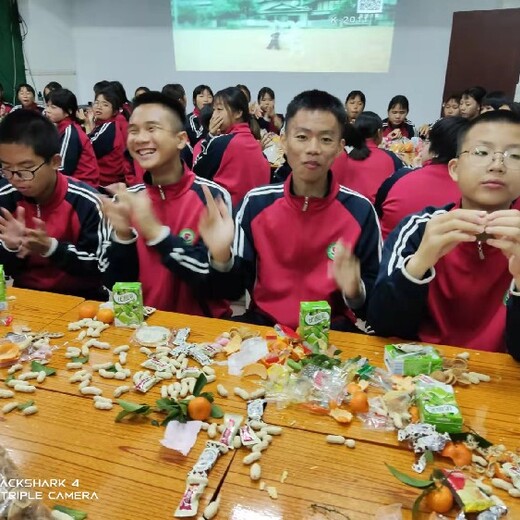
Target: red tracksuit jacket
x=174 y=272
x=284 y=246
x=366 y=176
x=461 y=302
x=406 y=128
x=74 y=217
x=78 y=159
x=235 y=161
x=109 y=147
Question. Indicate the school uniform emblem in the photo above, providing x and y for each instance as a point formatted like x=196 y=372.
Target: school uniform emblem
x=188 y=235
x=331 y=250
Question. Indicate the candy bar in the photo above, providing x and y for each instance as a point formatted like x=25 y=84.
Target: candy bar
x=248 y=436
x=255 y=409
x=156 y=364
x=190 y=372
x=189 y=504
x=181 y=336
x=208 y=458
x=145 y=382
x=232 y=423
x=199 y=355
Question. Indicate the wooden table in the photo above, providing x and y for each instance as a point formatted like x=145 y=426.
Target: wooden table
x=125 y=474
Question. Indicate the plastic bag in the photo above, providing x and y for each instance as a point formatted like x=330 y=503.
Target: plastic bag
x=391 y=512
x=14 y=504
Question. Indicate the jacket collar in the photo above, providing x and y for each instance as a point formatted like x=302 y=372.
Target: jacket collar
x=307 y=204
x=170 y=191
x=60 y=190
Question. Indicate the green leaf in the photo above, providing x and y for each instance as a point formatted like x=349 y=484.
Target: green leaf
x=199 y=385
x=155 y=422
x=183 y=408
x=417 y=504
x=216 y=411
x=83 y=359
x=23 y=406
x=409 y=481
x=74 y=513
x=428 y=456
x=38 y=367
x=463 y=437
x=111 y=369
x=132 y=409
x=337 y=352
x=208 y=396
x=9 y=378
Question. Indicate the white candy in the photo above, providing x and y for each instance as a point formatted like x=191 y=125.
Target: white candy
x=15 y=368
x=222 y=390
x=103 y=405
x=27 y=375
x=121 y=348
x=255 y=472
x=81 y=335
x=122 y=358
x=41 y=376
x=84 y=383
x=350 y=443
x=336 y=439
x=85 y=350
x=73 y=366
x=212 y=509
x=6 y=394
x=212 y=430
x=27 y=389
x=257 y=394
x=241 y=393
x=274 y=430
x=120 y=376
x=10 y=407
x=209 y=371
x=237 y=442
x=252 y=457
x=107 y=374
x=99 y=366
x=30 y=410
x=146 y=351
x=211 y=378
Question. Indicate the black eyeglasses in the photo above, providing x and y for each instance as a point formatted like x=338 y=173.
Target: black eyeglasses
x=23 y=175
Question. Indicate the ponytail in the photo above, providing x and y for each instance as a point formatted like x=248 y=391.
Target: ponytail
x=366 y=126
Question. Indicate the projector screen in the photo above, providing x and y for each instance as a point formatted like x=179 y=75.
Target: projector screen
x=283 y=35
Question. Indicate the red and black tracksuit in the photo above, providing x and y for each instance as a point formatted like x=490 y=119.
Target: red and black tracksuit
x=406 y=128
x=367 y=175
x=464 y=300
x=235 y=161
x=194 y=128
x=173 y=271
x=74 y=218
x=78 y=159
x=284 y=247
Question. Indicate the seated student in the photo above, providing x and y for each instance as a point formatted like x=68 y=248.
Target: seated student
x=202 y=95
x=289 y=237
x=354 y=105
x=52 y=231
x=410 y=190
x=176 y=91
x=470 y=102
x=52 y=85
x=450 y=275
x=78 y=159
x=268 y=119
x=396 y=126
x=164 y=251
x=5 y=107
x=366 y=166
x=233 y=159
x=205 y=116
x=26 y=95
x=450 y=108
x=139 y=91
x=495 y=101
x=107 y=139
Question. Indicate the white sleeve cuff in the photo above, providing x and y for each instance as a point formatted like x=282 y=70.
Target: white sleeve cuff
x=12 y=250
x=165 y=231
x=425 y=280
x=52 y=248
x=513 y=289
x=223 y=267
x=115 y=238
x=356 y=303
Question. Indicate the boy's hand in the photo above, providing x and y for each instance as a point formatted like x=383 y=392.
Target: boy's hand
x=504 y=228
x=12 y=227
x=444 y=232
x=144 y=217
x=347 y=271
x=216 y=227
x=118 y=211
x=37 y=242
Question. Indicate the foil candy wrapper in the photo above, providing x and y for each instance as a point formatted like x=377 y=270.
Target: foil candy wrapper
x=423 y=437
x=181 y=336
x=255 y=409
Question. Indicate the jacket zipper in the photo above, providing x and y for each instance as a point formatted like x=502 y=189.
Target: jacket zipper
x=161 y=192
x=305 y=204
x=480 y=250
x=38 y=211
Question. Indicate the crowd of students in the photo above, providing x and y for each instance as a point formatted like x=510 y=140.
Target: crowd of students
x=138 y=191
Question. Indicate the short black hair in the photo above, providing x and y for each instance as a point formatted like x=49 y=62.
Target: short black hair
x=399 y=100
x=52 y=85
x=64 y=99
x=199 y=89
x=494 y=116
x=111 y=96
x=158 y=98
x=356 y=93
x=263 y=91
x=31 y=129
x=100 y=85
x=495 y=100
x=454 y=95
x=27 y=86
x=317 y=100
x=477 y=93
x=174 y=91
x=444 y=138
x=120 y=90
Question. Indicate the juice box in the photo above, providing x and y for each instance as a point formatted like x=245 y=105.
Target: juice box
x=411 y=360
x=3 y=295
x=127 y=298
x=315 y=324
x=437 y=405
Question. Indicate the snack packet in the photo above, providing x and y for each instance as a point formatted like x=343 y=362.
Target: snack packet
x=128 y=304
x=315 y=324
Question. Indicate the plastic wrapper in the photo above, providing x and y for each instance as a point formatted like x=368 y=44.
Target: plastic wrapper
x=375 y=421
x=391 y=512
x=15 y=503
x=376 y=377
x=252 y=350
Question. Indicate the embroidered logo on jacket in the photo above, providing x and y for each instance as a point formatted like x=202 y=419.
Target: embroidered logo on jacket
x=331 y=250
x=188 y=235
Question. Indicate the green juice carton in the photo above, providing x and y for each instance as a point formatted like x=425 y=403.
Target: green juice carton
x=3 y=294
x=437 y=405
x=127 y=298
x=407 y=359
x=315 y=324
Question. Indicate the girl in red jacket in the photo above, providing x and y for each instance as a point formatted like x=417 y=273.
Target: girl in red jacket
x=107 y=139
x=396 y=125
x=78 y=159
x=233 y=159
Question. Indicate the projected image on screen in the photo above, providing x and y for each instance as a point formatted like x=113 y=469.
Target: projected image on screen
x=283 y=35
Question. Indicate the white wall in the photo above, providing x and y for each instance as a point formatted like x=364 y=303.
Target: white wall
x=131 y=40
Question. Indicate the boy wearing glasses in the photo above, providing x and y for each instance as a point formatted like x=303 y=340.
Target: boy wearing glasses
x=451 y=275
x=52 y=231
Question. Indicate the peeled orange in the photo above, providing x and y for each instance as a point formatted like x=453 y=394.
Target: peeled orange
x=359 y=402
x=87 y=310
x=458 y=452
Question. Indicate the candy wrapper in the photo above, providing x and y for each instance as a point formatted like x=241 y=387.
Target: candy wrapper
x=467 y=493
x=232 y=423
x=128 y=304
x=255 y=409
x=14 y=501
x=189 y=505
x=315 y=324
x=411 y=360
